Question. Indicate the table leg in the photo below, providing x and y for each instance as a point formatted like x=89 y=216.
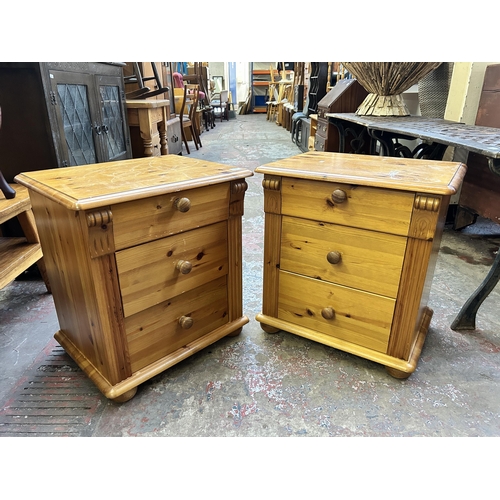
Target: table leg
x=466 y=318
x=162 y=128
x=146 y=129
x=357 y=144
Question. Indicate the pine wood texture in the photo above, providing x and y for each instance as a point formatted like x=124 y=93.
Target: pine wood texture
x=350 y=248
x=383 y=171
x=150 y=118
x=100 y=184
x=148 y=270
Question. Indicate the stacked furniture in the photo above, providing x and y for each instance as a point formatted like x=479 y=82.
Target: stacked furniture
x=344 y=97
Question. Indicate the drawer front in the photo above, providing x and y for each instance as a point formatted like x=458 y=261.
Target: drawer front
x=319 y=143
x=359 y=317
x=155 y=139
x=366 y=260
x=377 y=209
x=159 y=331
x=154 y=272
x=144 y=220
x=174 y=136
x=323 y=128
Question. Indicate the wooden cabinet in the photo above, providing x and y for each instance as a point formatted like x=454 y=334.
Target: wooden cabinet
x=318 y=79
x=344 y=97
x=62 y=114
x=349 y=251
x=144 y=260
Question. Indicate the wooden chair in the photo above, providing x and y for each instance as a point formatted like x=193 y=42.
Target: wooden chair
x=188 y=121
x=220 y=104
x=137 y=79
x=272 y=102
x=196 y=114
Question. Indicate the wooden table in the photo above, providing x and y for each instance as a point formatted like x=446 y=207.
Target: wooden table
x=437 y=134
x=349 y=247
x=144 y=260
x=19 y=253
x=151 y=117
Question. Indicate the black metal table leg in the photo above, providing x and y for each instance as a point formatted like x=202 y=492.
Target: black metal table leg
x=466 y=318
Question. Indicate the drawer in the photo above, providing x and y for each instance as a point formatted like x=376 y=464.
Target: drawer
x=323 y=128
x=159 y=270
x=358 y=258
x=344 y=313
x=377 y=209
x=148 y=219
x=155 y=139
x=162 y=329
x=319 y=143
x=174 y=136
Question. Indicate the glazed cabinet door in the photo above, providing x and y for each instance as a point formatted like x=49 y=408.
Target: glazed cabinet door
x=113 y=130
x=76 y=112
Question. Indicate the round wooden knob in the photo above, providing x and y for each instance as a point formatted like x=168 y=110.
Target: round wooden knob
x=334 y=257
x=328 y=313
x=184 y=266
x=186 y=322
x=339 y=196
x=182 y=204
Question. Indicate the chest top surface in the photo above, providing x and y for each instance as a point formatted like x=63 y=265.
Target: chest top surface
x=426 y=176
x=92 y=186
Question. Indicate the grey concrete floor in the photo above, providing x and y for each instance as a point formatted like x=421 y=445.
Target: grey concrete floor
x=259 y=384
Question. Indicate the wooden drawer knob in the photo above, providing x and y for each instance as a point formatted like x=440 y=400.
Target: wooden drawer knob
x=184 y=266
x=334 y=257
x=186 y=322
x=182 y=204
x=328 y=313
x=339 y=196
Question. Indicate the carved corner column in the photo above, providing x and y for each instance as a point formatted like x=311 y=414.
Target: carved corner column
x=104 y=271
x=234 y=235
x=424 y=237
x=272 y=244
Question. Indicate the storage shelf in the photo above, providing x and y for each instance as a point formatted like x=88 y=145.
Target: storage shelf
x=16 y=255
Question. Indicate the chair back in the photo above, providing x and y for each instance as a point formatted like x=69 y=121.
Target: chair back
x=194 y=104
x=224 y=96
x=182 y=109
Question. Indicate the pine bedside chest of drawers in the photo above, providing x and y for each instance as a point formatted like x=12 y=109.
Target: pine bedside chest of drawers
x=349 y=251
x=144 y=260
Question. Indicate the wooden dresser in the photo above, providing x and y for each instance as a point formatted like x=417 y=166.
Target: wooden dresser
x=349 y=251
x=144 y=261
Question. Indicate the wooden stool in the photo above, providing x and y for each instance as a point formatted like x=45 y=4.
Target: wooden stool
x=19 y=253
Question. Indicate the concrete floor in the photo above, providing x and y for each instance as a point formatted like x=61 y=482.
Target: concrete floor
x=260 y=384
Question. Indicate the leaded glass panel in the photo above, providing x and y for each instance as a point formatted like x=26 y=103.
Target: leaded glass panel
x=112 y=120
x=77 y=123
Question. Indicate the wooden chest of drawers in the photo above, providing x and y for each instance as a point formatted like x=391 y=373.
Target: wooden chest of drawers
x=144 y=260
x=349 y=251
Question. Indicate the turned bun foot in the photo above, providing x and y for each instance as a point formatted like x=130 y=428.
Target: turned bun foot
x=269 y=329
x=126 y=396
x=393 y=372
x=235 y=333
